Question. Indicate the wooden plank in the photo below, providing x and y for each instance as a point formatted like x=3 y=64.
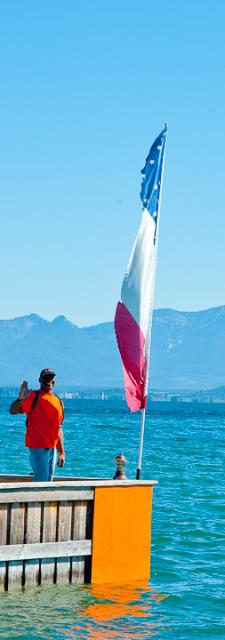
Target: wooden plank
x=47 y=571
x=3 y=523
x=2 y=576
x=78 y=570
x=63 y=534
x=81 y=528
x=16 y=533
x=48 y=535
x=64 y=521
x=63 y=570
x=78 y=483
x=15 y=575
x=45 y=550
x=49 y=522
x=32 y=573
x=48 y=494
x=16 y=536
x=32 y=535
x=3 y=540
x=33 y=527
x=80 y=521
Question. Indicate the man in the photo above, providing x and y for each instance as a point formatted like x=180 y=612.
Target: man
x=44 y=433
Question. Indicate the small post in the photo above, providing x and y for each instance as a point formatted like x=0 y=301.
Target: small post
x=120 y=471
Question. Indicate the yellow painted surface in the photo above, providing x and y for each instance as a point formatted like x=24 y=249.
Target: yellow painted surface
x=121 y=534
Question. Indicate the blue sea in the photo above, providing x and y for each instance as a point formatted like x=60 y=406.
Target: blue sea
x=184 y=449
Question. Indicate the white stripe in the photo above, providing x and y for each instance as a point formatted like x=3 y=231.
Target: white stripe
x=138 y=285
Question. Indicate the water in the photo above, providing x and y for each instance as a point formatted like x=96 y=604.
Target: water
x=184 y=449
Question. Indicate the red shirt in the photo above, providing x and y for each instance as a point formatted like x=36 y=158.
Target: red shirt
x=45 y=419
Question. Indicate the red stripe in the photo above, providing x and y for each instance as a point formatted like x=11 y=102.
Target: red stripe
x=131 y=343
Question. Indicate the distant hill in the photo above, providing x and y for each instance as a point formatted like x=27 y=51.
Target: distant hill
x=188 y=351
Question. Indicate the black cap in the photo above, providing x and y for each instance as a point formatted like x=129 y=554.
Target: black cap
x=47 y=373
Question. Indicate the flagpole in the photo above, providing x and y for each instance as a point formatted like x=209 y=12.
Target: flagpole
x=141 y=440
x=143 y=411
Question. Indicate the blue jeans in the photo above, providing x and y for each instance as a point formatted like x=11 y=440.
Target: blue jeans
x=43 y=464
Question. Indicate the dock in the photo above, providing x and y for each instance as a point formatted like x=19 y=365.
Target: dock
x=74 y=530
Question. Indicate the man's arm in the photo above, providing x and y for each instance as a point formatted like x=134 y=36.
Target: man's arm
x=15 y=407
x=60 y=449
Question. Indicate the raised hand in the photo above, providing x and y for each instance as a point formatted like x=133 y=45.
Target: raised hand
x=24 y=391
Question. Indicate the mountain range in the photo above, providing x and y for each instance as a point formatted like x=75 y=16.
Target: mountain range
x=188 y=351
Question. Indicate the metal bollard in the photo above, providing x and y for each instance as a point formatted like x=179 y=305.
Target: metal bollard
x=120 y=471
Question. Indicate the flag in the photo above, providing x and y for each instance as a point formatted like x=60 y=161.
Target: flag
x=133 y=316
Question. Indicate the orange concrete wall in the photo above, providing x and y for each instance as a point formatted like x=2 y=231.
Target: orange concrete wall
x=121 y=534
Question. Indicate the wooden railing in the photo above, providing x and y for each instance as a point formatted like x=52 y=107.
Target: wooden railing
x=46 y=530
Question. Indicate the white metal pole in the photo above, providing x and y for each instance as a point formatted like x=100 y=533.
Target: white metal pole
x=141 y=440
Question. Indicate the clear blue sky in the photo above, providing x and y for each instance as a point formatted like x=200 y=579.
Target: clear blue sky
x=85 y=88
